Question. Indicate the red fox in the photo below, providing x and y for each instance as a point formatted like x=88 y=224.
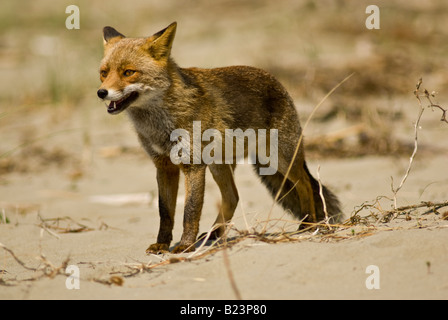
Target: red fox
x=140 y=77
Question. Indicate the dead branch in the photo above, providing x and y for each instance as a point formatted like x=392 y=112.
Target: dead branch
x=414 y=152
x=47 y=269
x=418 y=95
x=429 y=97
x=53 y=223
x=321 y=194
x=16 y=258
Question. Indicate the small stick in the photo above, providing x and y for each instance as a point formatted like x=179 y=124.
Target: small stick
x=417 y=94
x=411 y=159
x=16 y=258
x=321 y=193
x=230 y=274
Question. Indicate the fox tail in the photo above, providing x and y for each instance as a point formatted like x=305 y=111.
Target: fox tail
x=290 y=201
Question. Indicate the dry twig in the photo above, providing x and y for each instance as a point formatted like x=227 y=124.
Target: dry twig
x=45 y=224
x=418 y=95
x=46 y=269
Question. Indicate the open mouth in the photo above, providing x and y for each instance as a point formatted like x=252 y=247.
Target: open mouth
x=116 y=107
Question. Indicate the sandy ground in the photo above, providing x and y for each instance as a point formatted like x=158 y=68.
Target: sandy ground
x=76 y=189
x=411 y=255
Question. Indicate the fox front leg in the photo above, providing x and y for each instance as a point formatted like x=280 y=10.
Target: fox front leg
x=168 y=183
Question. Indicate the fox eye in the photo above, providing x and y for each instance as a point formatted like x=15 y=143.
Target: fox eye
x=103 y=73
x=128 y=73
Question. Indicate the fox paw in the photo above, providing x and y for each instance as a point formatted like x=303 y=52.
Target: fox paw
x=214 y=235
x=157 y=248
x=183 y=248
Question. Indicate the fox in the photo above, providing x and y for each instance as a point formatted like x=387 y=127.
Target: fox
x=139 y=76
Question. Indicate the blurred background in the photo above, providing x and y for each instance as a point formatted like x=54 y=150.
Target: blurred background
x=309 y=45
x=50 y=116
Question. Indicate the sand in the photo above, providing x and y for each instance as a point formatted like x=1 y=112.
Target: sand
x=109 y=235
x=77 y=190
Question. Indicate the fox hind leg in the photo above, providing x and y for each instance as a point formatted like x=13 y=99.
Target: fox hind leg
x=305 y=191
x=223 y=176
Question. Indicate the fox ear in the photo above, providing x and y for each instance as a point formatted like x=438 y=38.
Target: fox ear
x=111 y=35
x=159 y=45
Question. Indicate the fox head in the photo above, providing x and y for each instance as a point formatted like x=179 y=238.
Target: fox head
x=134 y=71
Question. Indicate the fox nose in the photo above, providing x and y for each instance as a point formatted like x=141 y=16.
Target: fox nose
x=102 y=93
